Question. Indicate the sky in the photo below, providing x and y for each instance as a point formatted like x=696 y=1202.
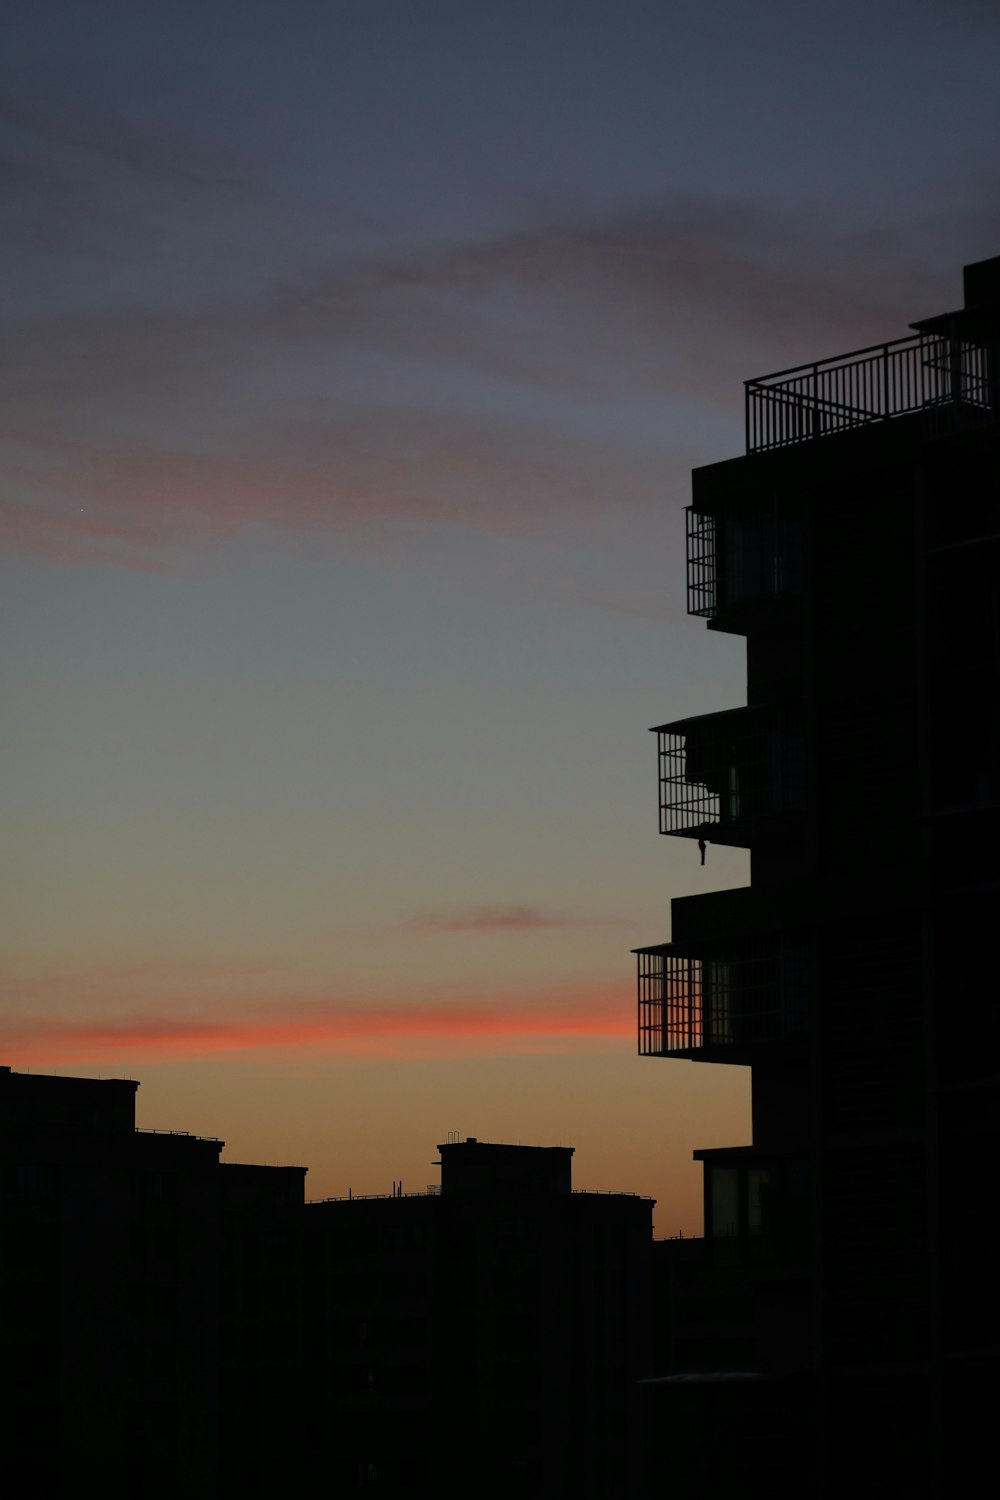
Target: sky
x=357 y=356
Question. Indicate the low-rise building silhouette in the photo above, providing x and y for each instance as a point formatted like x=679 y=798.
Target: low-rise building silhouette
x=110 y=1299
x=188 y=1328
x=484 y=1340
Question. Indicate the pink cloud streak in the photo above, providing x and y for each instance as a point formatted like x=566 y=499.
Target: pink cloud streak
x=111 y=458
x=518 y=1022
x=510 y=918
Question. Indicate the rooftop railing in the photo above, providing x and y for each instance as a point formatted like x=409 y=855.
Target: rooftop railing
x=148 y=1130
x=947 y=377
x=435 y=1192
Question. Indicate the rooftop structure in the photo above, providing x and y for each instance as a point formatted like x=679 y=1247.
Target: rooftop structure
x=473 y=1166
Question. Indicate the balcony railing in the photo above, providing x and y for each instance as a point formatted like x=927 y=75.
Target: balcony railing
x=740 y=561
x=749 y=993
x=724 y=775
x=702 y=564
x=949 y=378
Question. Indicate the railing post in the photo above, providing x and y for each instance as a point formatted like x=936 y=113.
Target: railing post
x=955 y=376
x=885 y=383
x=816 y=427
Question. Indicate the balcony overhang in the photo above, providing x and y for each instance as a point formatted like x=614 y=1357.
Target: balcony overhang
x=976 y=325
x=696 y=721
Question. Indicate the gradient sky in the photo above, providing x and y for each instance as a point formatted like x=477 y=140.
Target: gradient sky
x=356 y=358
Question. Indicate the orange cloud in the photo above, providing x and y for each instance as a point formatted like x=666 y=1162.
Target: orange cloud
x=545 y=1020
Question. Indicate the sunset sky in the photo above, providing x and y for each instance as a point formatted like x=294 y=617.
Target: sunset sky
x=356 y=357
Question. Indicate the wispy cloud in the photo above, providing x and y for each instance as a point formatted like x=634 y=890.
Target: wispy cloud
x=492 y=919
x=164 y=391
x=369 y=482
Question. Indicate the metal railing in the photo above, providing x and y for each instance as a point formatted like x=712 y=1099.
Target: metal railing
x=435 y=1192
x=722 y=774
x=948 y=377
x=609 y=1193
x=734 y=561
x=702 y=564
x=187 y=1134
x=429 y=1192
x=755 y=992
x=670 y=1002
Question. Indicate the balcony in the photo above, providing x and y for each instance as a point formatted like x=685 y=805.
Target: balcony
x=951 y=379
x=735 y=562
x=732 y=776
x=723 y=1004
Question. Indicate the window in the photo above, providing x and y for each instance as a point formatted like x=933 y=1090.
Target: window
x=759 y=1213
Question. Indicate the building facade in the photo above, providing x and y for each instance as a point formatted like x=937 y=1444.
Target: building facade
x=132 y=1326
x=184 y=1327
x=483 y=1340
x=856 y=547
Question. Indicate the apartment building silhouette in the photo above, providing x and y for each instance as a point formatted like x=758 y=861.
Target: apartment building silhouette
x=840 y=1333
